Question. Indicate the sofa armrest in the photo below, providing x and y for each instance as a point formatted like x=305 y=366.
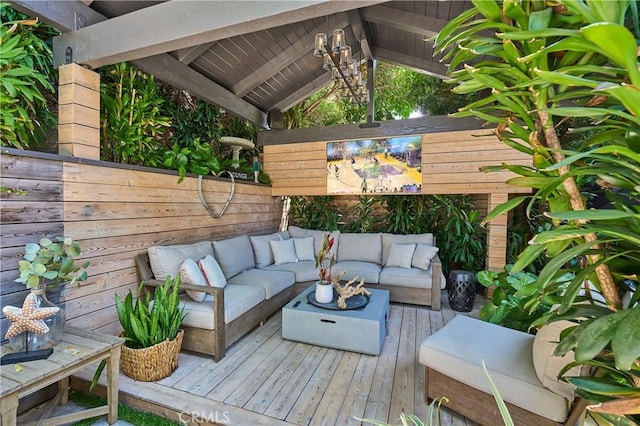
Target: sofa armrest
x=436 y=283
x=146 y=275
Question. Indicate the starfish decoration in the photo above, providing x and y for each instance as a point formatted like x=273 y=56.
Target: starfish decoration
x=29 y=318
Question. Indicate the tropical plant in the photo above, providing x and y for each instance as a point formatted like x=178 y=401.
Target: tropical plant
x=132 y=124
x=362 y=214
x=512 y=295
x=146 y=324
x=459 y=232
x=549 y=66
x=52 y=261
x=198 y=160
x=315 y=213
x=25 y=71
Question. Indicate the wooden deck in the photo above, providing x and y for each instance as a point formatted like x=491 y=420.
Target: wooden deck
x=266 y=380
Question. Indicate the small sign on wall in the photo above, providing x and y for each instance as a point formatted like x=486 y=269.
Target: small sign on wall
x=368 y=166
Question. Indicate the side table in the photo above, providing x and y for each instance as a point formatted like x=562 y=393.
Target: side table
x=77 y=350
x=462 y=290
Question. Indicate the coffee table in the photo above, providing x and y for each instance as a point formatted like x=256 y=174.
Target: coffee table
x=361 y=330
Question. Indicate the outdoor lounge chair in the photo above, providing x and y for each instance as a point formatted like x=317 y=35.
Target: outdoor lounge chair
x=521 y=365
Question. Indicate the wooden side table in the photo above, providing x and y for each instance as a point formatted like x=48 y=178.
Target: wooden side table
x=77 y=350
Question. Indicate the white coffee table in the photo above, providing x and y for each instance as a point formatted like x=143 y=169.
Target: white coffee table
x=359 y=330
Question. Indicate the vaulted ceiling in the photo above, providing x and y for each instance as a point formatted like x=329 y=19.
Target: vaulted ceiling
x=248 y=57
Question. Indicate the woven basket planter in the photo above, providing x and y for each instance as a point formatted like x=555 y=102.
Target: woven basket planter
x=153 y=363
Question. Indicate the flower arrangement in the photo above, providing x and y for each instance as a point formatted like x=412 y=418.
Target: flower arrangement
x=325 y=260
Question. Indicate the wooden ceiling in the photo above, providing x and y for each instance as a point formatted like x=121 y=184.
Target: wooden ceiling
x=248 y=57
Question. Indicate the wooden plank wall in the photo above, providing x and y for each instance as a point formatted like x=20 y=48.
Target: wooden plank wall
x=450 y=165
x=116 y=213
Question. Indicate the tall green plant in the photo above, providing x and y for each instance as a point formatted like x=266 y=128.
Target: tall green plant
x=25 y=73
x=147 y=324
x=546 y=65
x=362 y=214
x=132 y=124
x=315 y=213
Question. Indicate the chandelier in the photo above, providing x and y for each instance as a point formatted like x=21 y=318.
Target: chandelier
x=343 y=67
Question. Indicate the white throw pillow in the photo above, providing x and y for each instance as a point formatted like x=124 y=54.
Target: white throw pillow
x=400 y=255
x=212 y=272
x=283 y=251
x=190 y=274
x=304 y=248
x=423 y=255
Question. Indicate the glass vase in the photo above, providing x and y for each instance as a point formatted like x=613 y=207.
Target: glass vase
x=32 y=341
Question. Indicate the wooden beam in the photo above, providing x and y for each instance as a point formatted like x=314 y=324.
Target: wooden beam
x=302 y=93
x=163 y=66
x=135 y=35
x=427 y=26
x=172 y=71
x=361 y=32
x=419 y=65
x=63 y=15
x=303 y=46
x=189 y=54
x=411 y=126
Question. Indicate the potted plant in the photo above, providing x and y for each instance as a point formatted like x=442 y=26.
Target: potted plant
x=325 y=261
x=48 y=264
x=151 y=328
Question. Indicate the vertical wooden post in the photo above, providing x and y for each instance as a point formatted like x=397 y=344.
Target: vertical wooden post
x=79 y=112
x=497 y=235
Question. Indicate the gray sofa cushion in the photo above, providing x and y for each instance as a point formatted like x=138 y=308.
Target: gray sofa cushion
x=360 y=247
x=234 y=255
x=262 y=253
x=273 y=282
x=388 y=239
x=166 y=260
x=318 y=237
x=368 y=271
x=238 y=299
x=304 y=271
x=413 y=277
x=457 y=350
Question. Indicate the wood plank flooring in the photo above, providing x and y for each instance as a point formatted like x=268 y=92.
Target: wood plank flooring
x=266 y=380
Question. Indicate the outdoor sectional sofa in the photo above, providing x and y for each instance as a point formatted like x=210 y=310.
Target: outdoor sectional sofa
x=259 y=274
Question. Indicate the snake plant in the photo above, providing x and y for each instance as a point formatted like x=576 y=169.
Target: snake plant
x=147 y=323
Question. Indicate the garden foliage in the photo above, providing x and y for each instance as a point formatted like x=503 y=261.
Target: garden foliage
x=549 y=68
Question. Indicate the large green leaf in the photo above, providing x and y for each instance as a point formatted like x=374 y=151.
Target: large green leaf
x=600 y=386
x=603 y=214
x=618 y=44
x=625 y=340
x=597 y=335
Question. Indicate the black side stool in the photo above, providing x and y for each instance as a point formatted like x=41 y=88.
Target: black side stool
x=462 y=290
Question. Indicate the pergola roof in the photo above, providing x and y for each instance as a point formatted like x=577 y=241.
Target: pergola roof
x=248 y=57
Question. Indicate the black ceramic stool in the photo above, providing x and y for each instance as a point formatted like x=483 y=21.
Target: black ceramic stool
x=462 y=290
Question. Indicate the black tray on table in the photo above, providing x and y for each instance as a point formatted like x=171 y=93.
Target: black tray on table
x=354 y=302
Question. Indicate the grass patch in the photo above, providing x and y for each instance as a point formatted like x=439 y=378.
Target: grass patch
x=125 y=413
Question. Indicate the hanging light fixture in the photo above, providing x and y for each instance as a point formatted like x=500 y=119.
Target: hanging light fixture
x=340 y=62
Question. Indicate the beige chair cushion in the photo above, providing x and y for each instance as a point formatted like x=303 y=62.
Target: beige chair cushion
x=166 y=260
x=458 y=349
x=234 y=255
x=238 y=299
x=360 y=247
x=547 y=365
